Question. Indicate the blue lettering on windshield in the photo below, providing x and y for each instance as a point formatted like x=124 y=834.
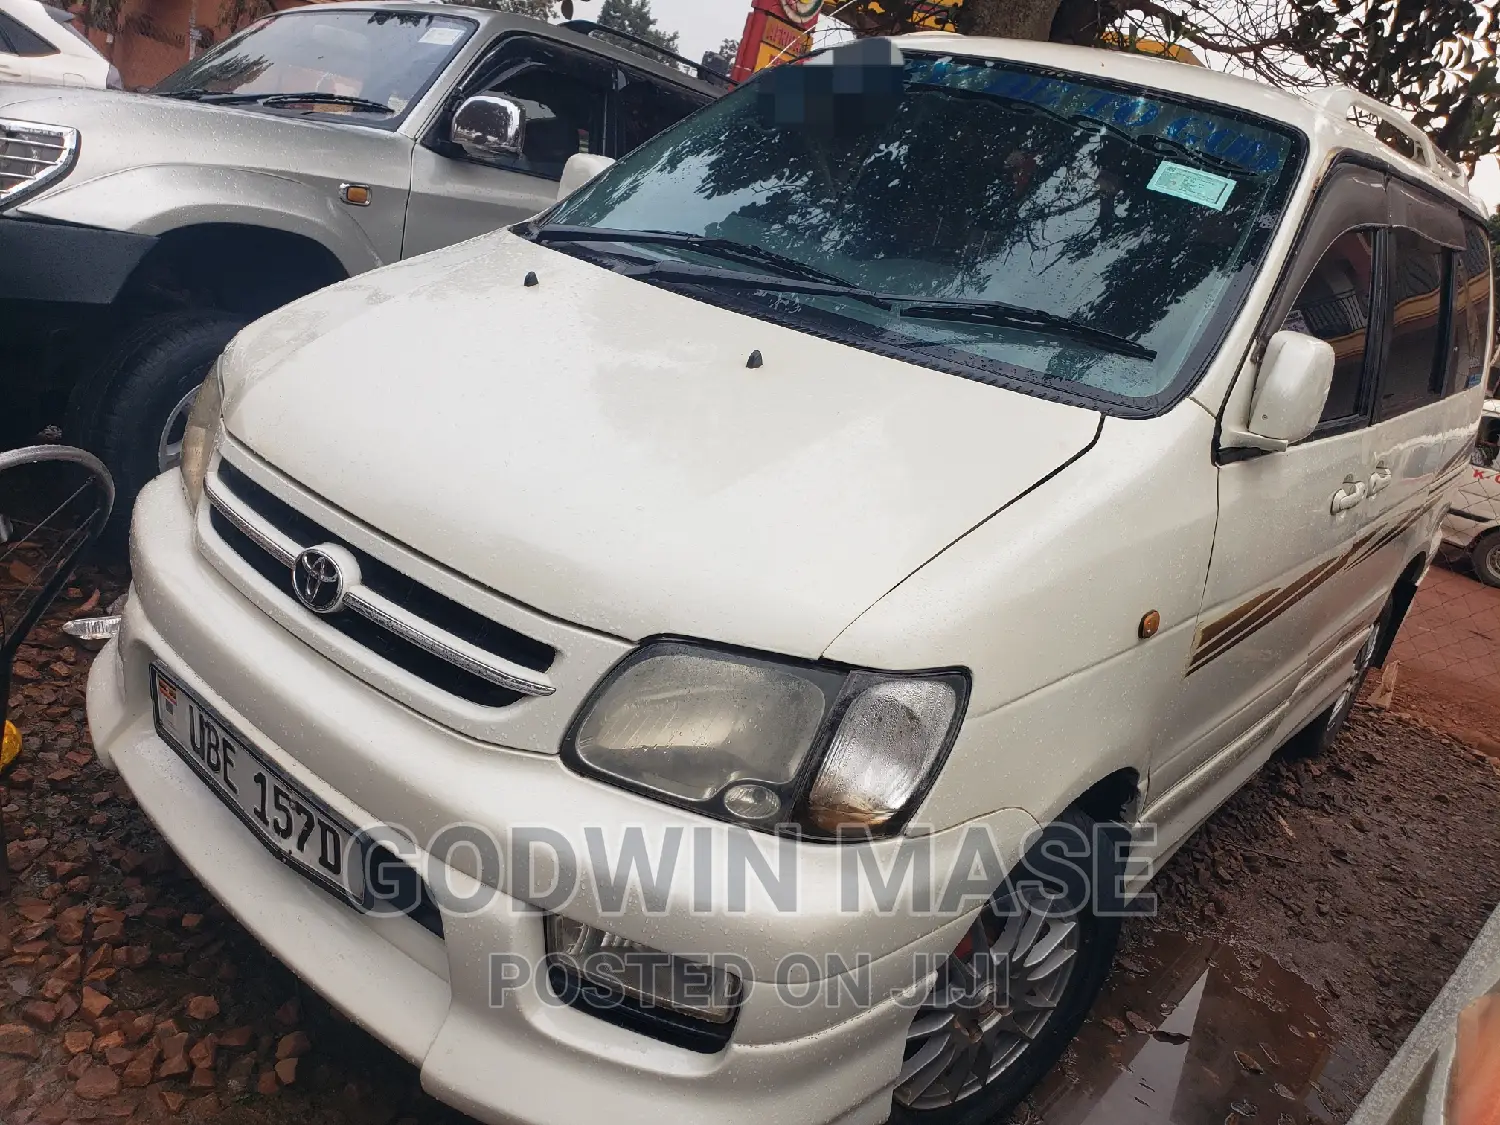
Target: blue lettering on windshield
x=1243 y=146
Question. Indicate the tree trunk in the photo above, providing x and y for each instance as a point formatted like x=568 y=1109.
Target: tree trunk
x=1008 y=19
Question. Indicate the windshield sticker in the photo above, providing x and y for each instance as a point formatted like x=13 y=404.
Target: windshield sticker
x=1220 y=138
x=441 y=36
x=1192 y=184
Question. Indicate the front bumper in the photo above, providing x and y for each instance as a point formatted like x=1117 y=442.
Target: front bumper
x=66 y=264
x=526 y=1060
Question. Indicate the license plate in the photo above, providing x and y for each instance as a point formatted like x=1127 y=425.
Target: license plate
x=298 y=828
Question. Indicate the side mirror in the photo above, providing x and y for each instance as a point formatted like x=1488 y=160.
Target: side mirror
x=579 y=170
x=486 y=126
x=1296 y=374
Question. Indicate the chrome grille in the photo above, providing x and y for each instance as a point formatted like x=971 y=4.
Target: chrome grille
x=398 y=620
x=32 y=156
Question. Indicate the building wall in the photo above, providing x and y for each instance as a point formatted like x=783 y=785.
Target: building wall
x=152 y=40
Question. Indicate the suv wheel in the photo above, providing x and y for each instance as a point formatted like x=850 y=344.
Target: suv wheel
x=1486 y=556
x=149 y=381
x=1010 y=997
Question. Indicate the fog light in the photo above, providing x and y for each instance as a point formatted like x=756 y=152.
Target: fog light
x=648 y=976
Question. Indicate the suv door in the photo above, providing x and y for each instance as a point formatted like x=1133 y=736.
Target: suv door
x=1279 y=597
x=1429 y=387
x=565 y=96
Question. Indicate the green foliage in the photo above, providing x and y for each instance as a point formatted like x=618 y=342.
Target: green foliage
x=103 y=15
x=634 y=18
x=1434 y=59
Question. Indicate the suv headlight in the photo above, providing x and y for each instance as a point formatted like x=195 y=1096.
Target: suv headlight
x=201 y=435
x=769 y=742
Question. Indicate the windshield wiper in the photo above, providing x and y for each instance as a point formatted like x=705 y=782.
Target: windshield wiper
x=814 y=283
x=1015 y=316
x=719 y=277
x=276 y=100
x=714 y=247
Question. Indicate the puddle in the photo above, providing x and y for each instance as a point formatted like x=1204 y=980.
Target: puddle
x=1205 y=1035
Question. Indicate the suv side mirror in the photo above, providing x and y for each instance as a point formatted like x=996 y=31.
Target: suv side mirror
x=1296 y=374
x=579 y=170
x=486 y=126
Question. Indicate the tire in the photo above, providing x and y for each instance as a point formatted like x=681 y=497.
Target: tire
x=1315 y=739
x=1486 y=559
x=138 y=402
x=1094 y=940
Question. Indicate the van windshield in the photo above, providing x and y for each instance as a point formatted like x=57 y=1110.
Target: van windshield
x=1087 y=240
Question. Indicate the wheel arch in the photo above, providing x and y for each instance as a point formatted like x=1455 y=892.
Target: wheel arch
x=243 y=268
x=1402 y=595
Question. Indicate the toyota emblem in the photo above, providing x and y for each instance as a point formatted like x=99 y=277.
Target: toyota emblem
x=321 y=577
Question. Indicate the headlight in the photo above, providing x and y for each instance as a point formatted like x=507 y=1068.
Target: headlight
x=201 y=435
x=767 y=742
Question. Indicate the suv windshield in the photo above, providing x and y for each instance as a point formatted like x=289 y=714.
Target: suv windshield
x=369 y=65
x=1017 y=227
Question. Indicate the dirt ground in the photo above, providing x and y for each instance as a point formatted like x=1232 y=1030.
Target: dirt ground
x=1354 y=883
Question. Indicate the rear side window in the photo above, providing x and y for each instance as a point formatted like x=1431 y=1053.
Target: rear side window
x=1415 y=370
x=1471 y=309
x=21 y=40
x=648 y=108
x=1334 y=305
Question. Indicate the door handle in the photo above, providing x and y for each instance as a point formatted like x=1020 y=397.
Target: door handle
x=1352 y=495
x=1381 y=478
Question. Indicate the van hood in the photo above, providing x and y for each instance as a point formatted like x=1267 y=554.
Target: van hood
x=599 y=448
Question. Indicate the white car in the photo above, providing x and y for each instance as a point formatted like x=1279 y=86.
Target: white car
x=730 y=648
x=38 y=43
x=1474 y=524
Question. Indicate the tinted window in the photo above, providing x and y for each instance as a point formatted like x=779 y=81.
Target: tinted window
x=1471 y=309
x=1136 y=217
x=1414 y=370
x=564 y=116
x=21 y=40
x=1334 y=305
x=647 y=108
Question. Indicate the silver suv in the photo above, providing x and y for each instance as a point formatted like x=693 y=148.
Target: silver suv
x=138 y=233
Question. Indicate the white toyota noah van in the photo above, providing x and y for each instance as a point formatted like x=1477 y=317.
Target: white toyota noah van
x=732 y=648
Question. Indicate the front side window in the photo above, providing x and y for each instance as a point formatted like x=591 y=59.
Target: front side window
x=367 y=67
x=1334 y=305
x=1415 y=368
x=1038 y=231
x=1471 y=309
x=564 y=116
x=647 y=107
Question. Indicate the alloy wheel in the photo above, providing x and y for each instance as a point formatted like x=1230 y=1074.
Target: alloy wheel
x=993 y=996
x=1492 y=563
x=169 y=442
x=1362 y=661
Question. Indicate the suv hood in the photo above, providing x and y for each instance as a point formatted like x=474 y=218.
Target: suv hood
x=598 y=448
x=121 y=130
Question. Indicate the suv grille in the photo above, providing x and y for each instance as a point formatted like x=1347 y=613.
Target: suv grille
x=398 y=619
x=33 y=156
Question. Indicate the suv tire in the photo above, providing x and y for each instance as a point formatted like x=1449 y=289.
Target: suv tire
x=1486 y=559
x=1093 y=939
x=148 y=381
